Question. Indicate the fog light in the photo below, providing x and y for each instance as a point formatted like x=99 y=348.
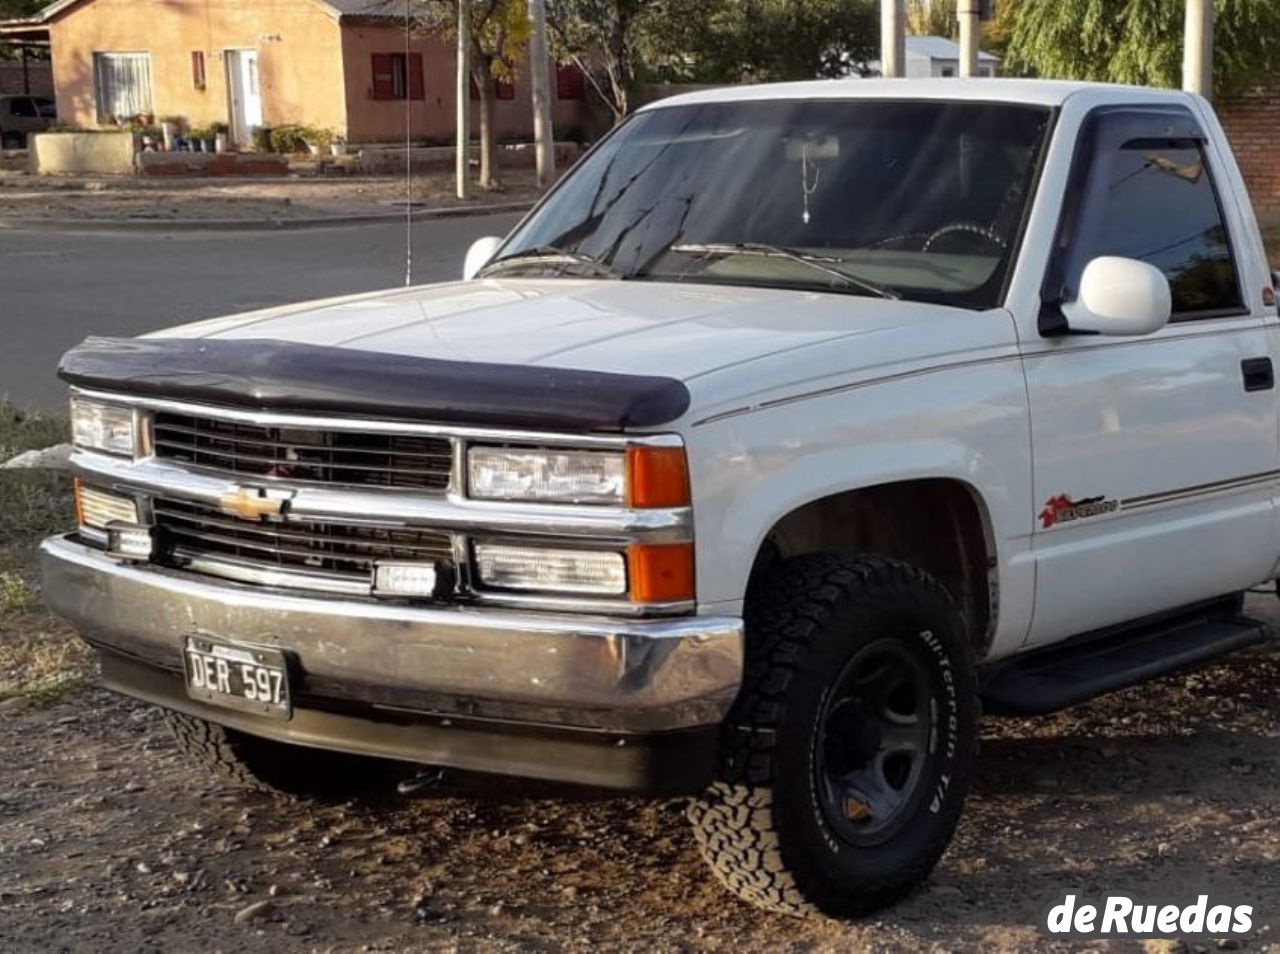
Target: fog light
x=129 y=542
x=405 y=579
x=99 y=509
x=551 y=570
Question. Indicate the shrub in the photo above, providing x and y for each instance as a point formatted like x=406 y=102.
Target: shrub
x=262 y=138
x=288 y=139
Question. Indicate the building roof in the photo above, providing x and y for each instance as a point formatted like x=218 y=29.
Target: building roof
x=1030 y=92
x=339 y=9
x=365 y=8
x=941 y=48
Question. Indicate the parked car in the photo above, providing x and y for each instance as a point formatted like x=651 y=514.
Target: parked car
x=22 y=115
x=795 y=426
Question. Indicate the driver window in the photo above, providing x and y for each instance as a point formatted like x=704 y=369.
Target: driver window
x=1153 y=199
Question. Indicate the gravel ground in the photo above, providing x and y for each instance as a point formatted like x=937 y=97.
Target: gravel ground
x=109 y=839
x=26 y=197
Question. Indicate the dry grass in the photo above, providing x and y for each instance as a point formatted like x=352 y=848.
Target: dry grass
x=41 y=660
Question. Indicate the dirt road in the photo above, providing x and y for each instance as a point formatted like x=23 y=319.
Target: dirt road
x=109 y=840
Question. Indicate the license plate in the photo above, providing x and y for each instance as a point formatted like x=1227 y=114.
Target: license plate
x=250 y=678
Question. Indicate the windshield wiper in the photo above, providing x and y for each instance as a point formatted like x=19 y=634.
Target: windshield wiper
x=820 y=263
x=550 y=255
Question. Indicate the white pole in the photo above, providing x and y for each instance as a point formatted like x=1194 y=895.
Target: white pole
x=970 y=36
x=1197 y=48
x=893 y=37
x=543 y=132
x=462 y=148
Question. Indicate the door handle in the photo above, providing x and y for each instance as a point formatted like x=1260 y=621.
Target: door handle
x=1258 y=374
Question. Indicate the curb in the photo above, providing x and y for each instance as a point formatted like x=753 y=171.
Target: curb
x=255 y=225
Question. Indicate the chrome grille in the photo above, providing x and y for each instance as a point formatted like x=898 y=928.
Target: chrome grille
x=349 y=550
x=309 y=455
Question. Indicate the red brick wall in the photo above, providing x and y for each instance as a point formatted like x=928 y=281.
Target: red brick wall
x=1252 y=123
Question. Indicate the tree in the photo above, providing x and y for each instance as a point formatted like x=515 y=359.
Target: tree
x=499 y=33
x=727 y=41
x=12 y=9
x=932 y=18
x=1140 y=41
x=601 y=38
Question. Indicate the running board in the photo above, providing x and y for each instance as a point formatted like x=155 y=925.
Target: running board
x=1075 y=671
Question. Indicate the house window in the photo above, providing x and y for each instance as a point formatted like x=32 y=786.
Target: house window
x=398 y=76
x=571 y=83
x=197 y=69
x=122 y=84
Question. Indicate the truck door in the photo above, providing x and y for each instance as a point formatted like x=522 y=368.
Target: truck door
x=1154 y=457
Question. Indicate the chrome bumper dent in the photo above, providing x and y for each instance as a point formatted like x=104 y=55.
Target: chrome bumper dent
x=615 y=675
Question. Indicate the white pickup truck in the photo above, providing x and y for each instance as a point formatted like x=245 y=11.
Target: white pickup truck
x=795 y=426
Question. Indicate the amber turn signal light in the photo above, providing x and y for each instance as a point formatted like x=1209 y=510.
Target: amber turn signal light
x=657 y=477
x=661 y=573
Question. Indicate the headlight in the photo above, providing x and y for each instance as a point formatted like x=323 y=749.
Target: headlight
x=642 y=476
x=110 y=428
x=551 y=570
x=547 y=476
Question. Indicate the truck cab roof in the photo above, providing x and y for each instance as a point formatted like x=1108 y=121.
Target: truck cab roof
x=1030 y=92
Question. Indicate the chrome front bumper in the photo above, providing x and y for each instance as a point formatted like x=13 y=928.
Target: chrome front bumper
x=627 y=676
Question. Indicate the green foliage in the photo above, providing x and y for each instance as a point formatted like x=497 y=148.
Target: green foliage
x=12 y=9
x=932 y=18
x=262 y=138
x=289 y=139
x=604 y=37
x=15 y=596
x=769 y=40
x=1140 y=41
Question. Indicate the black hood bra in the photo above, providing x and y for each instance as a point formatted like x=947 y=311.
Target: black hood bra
x=271 y=375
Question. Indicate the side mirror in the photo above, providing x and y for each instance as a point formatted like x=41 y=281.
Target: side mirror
x=478 y=255
x=1120 y=296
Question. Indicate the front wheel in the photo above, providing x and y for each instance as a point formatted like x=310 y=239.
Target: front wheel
x=848 y=753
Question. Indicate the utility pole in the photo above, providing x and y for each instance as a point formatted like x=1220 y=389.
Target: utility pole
x=544 y=139
x=463 y=131
x=1197 y=48
x=893 y=37
x=968 y=12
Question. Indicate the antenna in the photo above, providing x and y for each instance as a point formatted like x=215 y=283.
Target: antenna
x=408 y=148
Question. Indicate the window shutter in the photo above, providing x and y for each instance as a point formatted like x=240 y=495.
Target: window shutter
x=570 y=83
x=417 y=88
x=384 y=86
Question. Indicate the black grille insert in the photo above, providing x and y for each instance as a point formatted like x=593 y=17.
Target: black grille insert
x=305 y=454
x=332 y=548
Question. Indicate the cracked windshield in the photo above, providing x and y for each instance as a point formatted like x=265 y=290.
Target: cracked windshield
x=921 y=201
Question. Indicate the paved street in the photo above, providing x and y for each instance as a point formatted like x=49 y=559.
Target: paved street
x=56 y=288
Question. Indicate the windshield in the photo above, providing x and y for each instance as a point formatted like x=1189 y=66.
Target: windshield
x=917 y=200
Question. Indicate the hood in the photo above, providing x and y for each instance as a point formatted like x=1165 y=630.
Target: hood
x=682 y=331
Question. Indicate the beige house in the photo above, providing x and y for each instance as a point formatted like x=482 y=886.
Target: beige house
x=336 y=64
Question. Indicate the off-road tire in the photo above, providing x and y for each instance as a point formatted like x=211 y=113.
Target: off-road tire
x=13 y=140
x=761 y=826
x=262 y=765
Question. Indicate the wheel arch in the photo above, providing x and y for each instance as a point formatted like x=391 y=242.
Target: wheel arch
x=939 y=524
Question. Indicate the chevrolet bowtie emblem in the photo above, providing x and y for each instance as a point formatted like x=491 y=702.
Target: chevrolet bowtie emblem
x=250 y=503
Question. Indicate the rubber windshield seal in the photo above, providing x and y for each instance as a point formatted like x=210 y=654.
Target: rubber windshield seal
x=271 y=375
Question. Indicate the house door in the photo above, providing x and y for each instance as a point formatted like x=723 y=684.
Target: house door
x=246 y=94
